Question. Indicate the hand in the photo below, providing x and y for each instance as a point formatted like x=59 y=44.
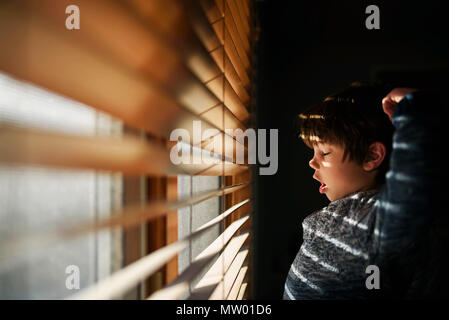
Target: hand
x=391 y=100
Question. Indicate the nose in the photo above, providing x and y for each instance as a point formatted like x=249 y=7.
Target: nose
x=314 y=164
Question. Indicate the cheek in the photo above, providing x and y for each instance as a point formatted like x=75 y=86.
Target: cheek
x=337 y=178
x=349 y=172
x=339 y=174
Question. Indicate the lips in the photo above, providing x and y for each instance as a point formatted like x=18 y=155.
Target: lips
x=323 y=187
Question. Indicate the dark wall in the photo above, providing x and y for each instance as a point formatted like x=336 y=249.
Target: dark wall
x=307 y=50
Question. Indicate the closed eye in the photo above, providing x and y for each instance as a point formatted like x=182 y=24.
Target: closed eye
x=325 y=154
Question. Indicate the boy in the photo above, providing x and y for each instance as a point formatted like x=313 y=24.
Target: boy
x=383 y=194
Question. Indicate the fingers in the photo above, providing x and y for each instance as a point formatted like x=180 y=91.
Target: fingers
x=393 y=98
x=388 y=106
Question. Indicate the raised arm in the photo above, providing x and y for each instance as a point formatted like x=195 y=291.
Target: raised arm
x=415 y=186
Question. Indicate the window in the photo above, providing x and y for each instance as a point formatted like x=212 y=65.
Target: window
x=192 y=217
x=85 y=149
x=35 y=199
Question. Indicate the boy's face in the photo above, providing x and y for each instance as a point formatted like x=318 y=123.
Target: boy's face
x=338 y=178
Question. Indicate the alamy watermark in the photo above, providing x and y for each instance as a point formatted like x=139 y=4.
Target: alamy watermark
x=373 y=20
x=73 y=20
x=373 y=280
x=72 y=282
x=184 y=153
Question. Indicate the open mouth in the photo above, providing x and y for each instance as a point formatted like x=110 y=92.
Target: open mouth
x=323 y=188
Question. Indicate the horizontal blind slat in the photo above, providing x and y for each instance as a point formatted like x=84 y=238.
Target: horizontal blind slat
x=118 y=77
x=118 y=283
x=26 y=241
x=234 y=37
x=221 y=217
x=128 y=155
x=235 y=95
x=221 y=87
x=238 y=11
x=220 y=30
x=231 y=51
x=199 y=126
x=145 y=52
x=140 y=48
x=240 y=40
x=222 y=290
x=133 y=98
x=231 y=150
x=212 y=278
x=168 y=17
x=181 y=284
x=210 y=40
x=94 y=79
x=220 y=57
x=233 y=293
x=215 y=116
x=242 y=291
x=195 y=55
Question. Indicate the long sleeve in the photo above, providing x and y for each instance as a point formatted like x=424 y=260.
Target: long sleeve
x=414 y=189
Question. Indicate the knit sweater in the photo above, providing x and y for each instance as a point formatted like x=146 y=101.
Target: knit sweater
x=393 y=228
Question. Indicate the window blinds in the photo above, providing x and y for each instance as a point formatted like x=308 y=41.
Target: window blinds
x=157 y=65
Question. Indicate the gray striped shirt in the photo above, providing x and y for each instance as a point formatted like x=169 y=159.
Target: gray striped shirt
x=332 y=260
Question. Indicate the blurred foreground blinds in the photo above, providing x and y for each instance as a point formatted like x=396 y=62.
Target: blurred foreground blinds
x=92 y=205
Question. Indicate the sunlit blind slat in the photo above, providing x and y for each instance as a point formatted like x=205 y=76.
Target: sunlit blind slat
x=242 y=24
x=138 y=105
x=222 y=290
x=128 y=155
x=231 y=26
x=224 y=38
x=213 y=277
x=154 y=67
x=233 y=293
x=196 y=57
x=242 y=291
x=181 y=284
x=94 y=79
x=15 y=247
x=123 y=280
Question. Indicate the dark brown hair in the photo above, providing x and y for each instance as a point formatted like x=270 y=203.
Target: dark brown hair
x=353 y=119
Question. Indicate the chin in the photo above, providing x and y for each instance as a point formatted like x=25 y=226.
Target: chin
x=331 y=196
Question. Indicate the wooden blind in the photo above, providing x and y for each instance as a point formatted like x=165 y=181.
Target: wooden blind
x=158 y=65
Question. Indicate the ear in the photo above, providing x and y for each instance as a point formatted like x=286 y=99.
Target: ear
x=376 y=154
